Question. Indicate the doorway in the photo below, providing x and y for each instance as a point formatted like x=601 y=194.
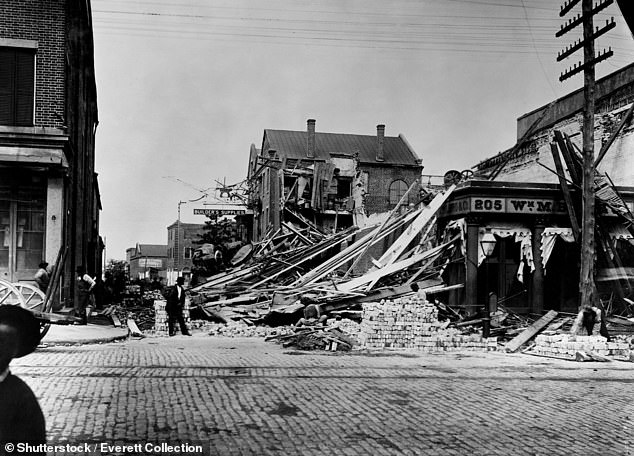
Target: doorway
x=22 y=223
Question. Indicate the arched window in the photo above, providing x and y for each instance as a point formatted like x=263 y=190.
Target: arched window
x=397 y=190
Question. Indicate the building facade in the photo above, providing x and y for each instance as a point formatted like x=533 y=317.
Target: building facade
x=520 y=246
x=182 y=240
x=49 y=193
x=147 y=261
x=329 y=179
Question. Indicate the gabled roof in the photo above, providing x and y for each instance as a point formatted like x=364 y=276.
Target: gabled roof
x=151 y=250
x=292 y=144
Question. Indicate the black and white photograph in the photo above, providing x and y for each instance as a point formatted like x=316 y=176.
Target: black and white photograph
x=316 y=227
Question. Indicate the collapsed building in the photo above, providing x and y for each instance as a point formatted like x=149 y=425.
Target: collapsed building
x=517 y=215
x=333 y=180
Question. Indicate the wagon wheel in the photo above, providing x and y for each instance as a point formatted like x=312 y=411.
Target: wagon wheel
x=34 y=299
x=10 y=295
x=23 y=295
x=33 y=296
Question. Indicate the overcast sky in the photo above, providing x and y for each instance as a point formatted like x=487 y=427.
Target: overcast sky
x=186 y=86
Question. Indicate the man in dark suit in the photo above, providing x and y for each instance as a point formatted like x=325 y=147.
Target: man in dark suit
x=174 y=307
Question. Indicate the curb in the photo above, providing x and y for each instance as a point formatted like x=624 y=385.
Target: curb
x=103 y=340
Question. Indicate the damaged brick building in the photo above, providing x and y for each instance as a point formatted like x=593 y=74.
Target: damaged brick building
x=332 y=180
x=519 y=241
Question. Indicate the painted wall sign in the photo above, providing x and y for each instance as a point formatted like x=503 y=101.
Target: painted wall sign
x=150 y=263
x=491 y=205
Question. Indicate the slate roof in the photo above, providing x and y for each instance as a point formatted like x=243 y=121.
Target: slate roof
x=292 y=144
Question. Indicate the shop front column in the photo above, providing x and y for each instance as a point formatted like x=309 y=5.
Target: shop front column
x=537 y=295
x=471 y=285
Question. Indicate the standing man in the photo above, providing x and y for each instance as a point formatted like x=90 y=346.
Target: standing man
x=42 y=278
x=174 y=307
x=85 y=284
x=21 y=418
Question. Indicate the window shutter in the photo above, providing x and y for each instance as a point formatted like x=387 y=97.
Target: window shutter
x=7 y=91
x=25 y=85
x=17 y=83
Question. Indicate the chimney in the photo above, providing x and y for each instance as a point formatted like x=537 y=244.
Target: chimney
x=380 y=140
x=310 y=138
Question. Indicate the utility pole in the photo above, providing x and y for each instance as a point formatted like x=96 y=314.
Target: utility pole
x=586 y=274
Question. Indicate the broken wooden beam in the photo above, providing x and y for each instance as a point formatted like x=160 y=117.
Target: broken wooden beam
x=530 y=332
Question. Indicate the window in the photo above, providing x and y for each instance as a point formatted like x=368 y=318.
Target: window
x=397 y=190
x=187 y=254
x=17 y=86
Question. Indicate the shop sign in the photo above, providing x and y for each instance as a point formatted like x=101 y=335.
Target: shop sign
x=217 y=212
x=150 y=263
x=535 y=206
x=488 y=205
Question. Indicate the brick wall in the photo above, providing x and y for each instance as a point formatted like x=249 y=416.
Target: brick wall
x=43 y=21
x=379 y=179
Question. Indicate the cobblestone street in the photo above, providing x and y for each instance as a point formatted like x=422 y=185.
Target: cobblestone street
x=250 y=397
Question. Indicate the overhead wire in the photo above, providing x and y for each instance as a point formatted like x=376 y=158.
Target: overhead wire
x=389 y=33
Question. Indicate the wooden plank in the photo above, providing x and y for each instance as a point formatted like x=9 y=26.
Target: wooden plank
x=374 y=276
x=417 y=225
x=566 y=191
x=530 y=332
x=604 y=149
x=352 y=251
x=115 y=321
x=380 y=228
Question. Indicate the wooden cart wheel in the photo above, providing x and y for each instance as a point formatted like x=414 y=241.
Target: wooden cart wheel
x=10 y=295
x=33 y=296
x=24 y=295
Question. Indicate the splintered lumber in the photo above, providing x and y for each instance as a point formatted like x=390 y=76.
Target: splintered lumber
x=423 y=219
x=380 y=228
x=373 y=276
x=530 y=332
x=320 y=248
x=227 y=277
x=353 y=250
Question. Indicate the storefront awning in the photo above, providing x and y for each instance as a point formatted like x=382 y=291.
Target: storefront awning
x=33 y=156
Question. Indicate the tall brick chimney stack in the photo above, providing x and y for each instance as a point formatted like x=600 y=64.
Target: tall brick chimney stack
x=310 y=138
x=380 y=140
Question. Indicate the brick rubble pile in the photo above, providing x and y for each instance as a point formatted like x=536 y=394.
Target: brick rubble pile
x=412 y=322
x=568 y=345
x=235 y=329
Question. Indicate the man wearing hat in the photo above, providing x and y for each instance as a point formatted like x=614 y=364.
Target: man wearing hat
x=21 y=418
x=174 y=307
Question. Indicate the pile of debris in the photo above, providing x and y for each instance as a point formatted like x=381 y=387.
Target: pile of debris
x=298 y=265
x=235 y=329
x=582 y=348
x=318 y=337
x=413 y=323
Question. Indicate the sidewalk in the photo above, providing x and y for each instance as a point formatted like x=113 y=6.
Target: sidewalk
x=88 y=334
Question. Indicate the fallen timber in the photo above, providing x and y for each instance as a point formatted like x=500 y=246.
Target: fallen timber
x=296 y=265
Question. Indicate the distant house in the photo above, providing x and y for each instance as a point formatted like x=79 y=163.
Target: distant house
x=147 y=261
x=334 y=180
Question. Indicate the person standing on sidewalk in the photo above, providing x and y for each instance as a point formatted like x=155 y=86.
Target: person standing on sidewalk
x=174 y=307
x=21 y=418
x=85 y=284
